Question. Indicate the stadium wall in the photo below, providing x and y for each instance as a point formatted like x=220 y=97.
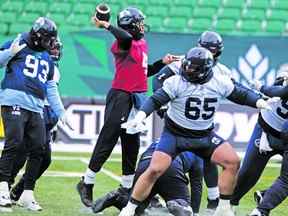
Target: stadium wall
x=87 y=70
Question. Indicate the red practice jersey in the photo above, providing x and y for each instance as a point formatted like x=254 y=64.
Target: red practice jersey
x=131 y=67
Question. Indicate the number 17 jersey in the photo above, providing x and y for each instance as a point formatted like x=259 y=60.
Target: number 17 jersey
x=193 y=106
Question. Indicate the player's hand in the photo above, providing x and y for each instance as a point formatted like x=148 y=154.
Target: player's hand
x=135 y=125
x=64 y=120
x=255 y=84
x=100 y=23
x=266 y=104
x=15 y=46
x=169 y=58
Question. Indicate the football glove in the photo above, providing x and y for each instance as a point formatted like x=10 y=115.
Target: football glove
x=15 y=46
x=135 y=125
x=266 y=104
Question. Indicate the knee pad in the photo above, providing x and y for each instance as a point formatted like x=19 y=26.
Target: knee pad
x=179 y=207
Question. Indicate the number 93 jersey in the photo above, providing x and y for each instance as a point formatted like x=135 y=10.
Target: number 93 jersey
x=277 y=116
x=28 y=71
x=193 y=106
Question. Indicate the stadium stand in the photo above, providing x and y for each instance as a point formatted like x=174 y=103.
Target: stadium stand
x=249 y=17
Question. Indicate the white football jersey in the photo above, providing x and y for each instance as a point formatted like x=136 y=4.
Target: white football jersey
x=222 y=69
x=193 y=106
x=277 y=116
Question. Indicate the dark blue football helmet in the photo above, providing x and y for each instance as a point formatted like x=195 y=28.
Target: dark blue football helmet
x=132 y=20
x=197 y=65
x=57 y=50
x=213 y=42
x=43 y=34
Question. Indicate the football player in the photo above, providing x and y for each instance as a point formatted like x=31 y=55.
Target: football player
x=29 y=78
x=51 y=120
x=193 y=98
x=268 y=139
x=128 y=90
x=178 y=199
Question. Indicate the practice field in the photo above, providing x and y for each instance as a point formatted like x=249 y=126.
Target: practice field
x=57 y=194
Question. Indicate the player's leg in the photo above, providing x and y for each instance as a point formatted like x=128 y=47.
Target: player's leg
x=278 y=192
x=196 y=184
x=118 y=105
x=226 y=157
x=130 y=148
x=14 y=120
x=211 y=181
x=159 y=163
x=252 y=167
x=36 y=135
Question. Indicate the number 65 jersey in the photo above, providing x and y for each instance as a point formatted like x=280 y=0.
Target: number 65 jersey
x=193 y=106
x=28 y=71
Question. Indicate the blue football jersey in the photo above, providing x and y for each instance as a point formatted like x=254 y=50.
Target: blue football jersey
x=28 y=70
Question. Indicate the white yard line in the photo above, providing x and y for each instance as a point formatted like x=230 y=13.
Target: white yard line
x=105 y=171
x=71 y=158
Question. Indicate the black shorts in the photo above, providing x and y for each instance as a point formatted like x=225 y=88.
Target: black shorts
x=169 y=186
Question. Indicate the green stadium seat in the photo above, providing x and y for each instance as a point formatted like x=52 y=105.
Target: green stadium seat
x=159 y=2
x=80 y=20
x=187 y=3
x=251 y=26
x=58 y=18
x=175 y=24
x=234 y=3
x=230 y=13
x=201 y=12
x=180 y=12
x=281 y=4
x=275 y=26
x=7 y=17
x=260 y=4
x=17 y=28
x=200 y=24
x=3 y=28
x=60 y=7
x=115 y=8
x=36 y=7
x=225 y=25
x=258 y=14
x=16 y=6
x=84 y=8
x=157 y=11
x=155 y=23
x=277 y=14
x=28 y=18
x=210 y=3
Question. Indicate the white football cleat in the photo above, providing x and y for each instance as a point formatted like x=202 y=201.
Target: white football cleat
x=255 y=212
x=208 y=212
x=28 y=201
x=5 y=201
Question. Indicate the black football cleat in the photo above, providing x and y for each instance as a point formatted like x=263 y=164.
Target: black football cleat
x=212 y=204
x=258 y=196
x=117 y=198
x=86 y=192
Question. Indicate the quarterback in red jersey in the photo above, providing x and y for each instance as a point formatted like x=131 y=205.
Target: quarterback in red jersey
x=128 y=90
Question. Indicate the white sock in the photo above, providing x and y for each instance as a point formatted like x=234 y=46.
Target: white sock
x=213 y=193
x=131 y=206
x=89 y=177
x=224 y=203
x=4 y=187
x=27 y=195
x=127 y=181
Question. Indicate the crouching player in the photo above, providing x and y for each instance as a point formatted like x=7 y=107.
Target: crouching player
x=194 y=97
x=51 y=120
x=171 y=186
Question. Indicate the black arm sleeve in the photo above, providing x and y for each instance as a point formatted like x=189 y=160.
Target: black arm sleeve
x=160 y=77
x=123 y=37
x=158 y=99
x=275 y=91
x=210 y=174
x=155 y=67
x=243 y=95
x=196 y=179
